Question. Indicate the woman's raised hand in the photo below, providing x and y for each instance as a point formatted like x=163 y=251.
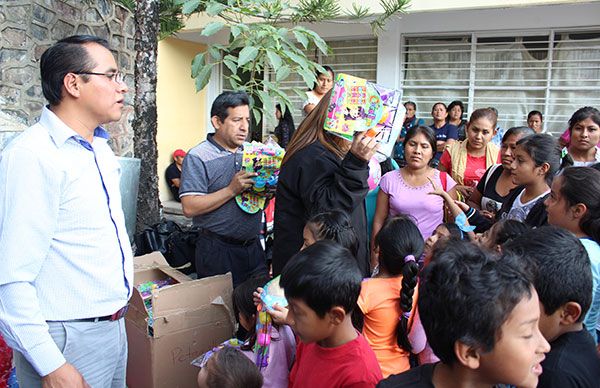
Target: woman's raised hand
x=364 y=147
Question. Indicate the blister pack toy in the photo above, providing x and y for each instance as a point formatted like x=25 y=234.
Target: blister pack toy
x=264 y=160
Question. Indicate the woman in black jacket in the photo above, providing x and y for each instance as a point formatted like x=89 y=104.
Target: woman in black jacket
x=321 y=172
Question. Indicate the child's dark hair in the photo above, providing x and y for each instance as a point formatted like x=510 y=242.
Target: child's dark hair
x=230 y=368
x=582 y=185
x=535 y=113
x=324 y=275
x=466 y=295
x=542 y=148
x=400 y=245
x=508 y=230
x=459 y=104
x=243 y=303
x=454 y=230
x=334 y=225
x=560 y=265
x=411 y=103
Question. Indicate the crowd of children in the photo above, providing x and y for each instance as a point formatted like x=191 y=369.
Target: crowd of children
x=501 y=290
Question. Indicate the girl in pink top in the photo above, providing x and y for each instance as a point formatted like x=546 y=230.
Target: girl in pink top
x=406 y=191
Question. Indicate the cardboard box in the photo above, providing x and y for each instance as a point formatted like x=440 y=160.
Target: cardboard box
x=190 y=317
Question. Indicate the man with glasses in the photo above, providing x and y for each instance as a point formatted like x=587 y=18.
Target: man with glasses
x=67 y=268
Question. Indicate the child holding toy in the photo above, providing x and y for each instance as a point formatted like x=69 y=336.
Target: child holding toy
x=321 y=284
x=282 y=348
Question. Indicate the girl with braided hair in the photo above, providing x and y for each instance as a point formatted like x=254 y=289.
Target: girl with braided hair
x=386 y=300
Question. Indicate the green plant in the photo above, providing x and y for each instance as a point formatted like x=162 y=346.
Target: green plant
x=266 y=35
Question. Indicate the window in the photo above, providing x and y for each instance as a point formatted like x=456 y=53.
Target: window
x=553 y=72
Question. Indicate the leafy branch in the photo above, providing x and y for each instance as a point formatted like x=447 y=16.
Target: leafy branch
x=265 y=36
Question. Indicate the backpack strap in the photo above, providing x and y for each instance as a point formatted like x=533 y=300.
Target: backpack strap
x=489 y=175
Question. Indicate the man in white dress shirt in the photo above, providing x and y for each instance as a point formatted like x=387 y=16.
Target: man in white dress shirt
x=66 y=260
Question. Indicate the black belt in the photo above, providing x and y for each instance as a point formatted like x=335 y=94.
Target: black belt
x=228 y=240
x=113 y=317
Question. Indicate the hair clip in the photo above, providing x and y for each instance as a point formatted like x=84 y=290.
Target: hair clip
x=408 y=258
x=406 y=314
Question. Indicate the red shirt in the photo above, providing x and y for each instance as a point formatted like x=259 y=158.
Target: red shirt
x=475 y=168
x=350 y=365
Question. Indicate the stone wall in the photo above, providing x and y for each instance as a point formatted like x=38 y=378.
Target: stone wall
x=28 y=27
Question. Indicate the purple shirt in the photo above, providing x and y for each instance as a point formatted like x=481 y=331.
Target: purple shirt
x=427 y=210
x=282 y=353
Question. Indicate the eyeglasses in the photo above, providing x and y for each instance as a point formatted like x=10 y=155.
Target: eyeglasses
x=113 y=76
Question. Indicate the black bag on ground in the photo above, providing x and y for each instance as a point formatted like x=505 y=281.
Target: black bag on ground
x=181 y=247
x=154 y=238
x=177 y=244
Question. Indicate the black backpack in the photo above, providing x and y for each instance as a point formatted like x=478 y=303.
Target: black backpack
x=177 y=244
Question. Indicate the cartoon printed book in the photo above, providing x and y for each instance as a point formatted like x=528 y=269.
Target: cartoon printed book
x=265 y=160
x=357 y=105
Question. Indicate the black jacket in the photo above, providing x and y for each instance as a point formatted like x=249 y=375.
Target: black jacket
x=537 y=215
x=314 y=180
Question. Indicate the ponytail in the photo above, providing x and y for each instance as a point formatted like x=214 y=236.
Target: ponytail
x=409 y=283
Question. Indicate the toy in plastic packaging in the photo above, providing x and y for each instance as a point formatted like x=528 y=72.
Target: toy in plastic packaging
x=357 y=105
x=264 y=160
x=273 y=294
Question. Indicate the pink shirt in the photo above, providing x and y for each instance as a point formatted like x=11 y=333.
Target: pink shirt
x=427 y=210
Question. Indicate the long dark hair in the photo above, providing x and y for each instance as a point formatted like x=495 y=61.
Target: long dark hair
x=286 y=122
x=400 y=245
x=286 y=117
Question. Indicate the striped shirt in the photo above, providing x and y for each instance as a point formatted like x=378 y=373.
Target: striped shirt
x=208 y=168
x=64 y=249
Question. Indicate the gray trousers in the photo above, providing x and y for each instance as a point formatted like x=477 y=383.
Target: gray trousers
x=98 y=350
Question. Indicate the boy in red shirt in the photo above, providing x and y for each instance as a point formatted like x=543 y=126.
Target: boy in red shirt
x=322 y=284
x=480 y=314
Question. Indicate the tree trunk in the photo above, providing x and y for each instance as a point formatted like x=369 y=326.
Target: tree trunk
x=145 y=122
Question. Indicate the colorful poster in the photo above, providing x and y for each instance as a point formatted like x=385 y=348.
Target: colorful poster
x=357 y=105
